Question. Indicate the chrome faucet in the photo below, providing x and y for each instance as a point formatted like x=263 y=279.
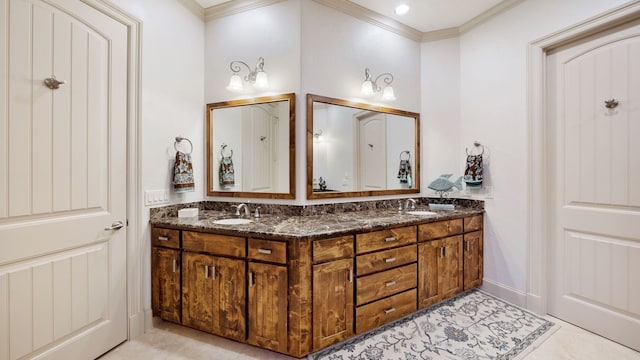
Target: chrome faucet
x=244 y=206
x=410 y=204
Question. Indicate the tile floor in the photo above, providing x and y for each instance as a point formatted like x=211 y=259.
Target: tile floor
x=173 y=342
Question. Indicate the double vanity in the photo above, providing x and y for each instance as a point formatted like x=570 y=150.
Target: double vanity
x=301 y=278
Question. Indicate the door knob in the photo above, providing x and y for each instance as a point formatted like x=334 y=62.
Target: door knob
x=117 y=225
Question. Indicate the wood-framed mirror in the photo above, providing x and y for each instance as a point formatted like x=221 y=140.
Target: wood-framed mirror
x=251 y=147
x=356 y=149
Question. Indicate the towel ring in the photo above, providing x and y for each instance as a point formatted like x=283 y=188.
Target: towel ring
x=222 y=147
x=179 y=139
x=476 y=144
x=408 y=155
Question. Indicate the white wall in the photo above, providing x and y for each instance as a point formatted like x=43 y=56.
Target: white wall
x=172 y=100
x=493 y=110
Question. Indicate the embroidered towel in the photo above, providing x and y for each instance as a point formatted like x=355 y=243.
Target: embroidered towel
x=183 y=173
x=226 y=172
x=404 y=172
x=473 y=171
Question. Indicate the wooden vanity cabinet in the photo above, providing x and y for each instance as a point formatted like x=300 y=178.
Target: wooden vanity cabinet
x=213 y=289
x=333 y=290
x=267 y=295
x=166 y=274
x=440 y=261
x=473 y=251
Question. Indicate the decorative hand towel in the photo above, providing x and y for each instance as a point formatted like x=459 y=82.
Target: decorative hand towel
x=225 y=172
x=473 y=170
x=404 y=171
x=183 y=173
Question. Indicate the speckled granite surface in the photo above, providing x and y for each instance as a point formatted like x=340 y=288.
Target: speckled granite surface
x=301 y=222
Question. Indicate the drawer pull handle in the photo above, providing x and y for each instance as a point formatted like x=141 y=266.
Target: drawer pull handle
x=468 y=245
x=163 y=238
x=390 y=260
x=251 y=279
x=390 y=283
x=174 y=266
x=350 y=275
x=206 y=271
x=443 y=251
x=389 y=311
x=390 y=239
x=265 y=251
x=213 y=273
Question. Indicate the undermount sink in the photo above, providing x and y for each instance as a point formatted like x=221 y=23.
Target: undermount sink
x=421 y=213
x=232 y=221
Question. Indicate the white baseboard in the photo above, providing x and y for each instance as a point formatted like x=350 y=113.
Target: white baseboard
x=148 y=320
x=536 y=304
x=505 y=292
x=136 y=325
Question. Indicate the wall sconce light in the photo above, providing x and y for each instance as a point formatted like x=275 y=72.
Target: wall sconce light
x=370 y=86
x=258 y=77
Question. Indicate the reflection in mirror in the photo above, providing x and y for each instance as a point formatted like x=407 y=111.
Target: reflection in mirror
x=356 y=149
x=251 y=147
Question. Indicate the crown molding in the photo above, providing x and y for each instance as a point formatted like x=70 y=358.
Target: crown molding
x=373 y=18
x=491 y=12
x=235 y=7
x=440 y=34
x=194 y=7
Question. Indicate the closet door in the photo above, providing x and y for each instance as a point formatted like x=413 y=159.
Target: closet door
x=62 y=180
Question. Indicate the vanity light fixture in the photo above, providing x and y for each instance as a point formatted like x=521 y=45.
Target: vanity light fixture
x=370 y=86
x=258 y=77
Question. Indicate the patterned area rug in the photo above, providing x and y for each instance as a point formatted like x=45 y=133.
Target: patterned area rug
x=472 y=325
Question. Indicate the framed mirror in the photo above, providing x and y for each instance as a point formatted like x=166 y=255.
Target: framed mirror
x=356 y=149
x=251 y=147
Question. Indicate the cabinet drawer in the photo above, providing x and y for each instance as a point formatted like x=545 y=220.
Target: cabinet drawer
x=383 y=311
x=439 y=229
x=473 y=223
x=332 y=249
x=165 y=237
x=377 y=286
x=268 y=250
x=214 y=244
x=387 y=259
x=385 y=239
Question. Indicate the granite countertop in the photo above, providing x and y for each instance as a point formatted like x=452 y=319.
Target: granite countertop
x=314 y=226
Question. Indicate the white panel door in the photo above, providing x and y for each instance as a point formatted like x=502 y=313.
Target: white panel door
x=258 y=140
x=62 y=180
x=372 y=151
x=594 y=151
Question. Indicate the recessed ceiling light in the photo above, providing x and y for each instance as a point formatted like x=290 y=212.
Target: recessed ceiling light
x=402 y=9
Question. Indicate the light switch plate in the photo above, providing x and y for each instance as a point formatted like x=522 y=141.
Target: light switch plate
x=156 y=197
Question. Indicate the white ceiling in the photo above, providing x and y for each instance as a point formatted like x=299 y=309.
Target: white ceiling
x=425 y=15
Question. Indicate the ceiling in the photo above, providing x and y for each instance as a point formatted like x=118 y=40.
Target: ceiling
x=424 y=16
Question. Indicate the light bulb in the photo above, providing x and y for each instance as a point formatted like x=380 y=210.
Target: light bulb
x=235 y=83
x=402 y=9
x=262 y=81
x=367 y=88
x=387 y=93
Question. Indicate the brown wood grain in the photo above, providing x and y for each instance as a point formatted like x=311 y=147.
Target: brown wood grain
x=197 y=291
x=229 y=298
x=267 y=313
x=429 y=273
x=332 y=249
x=383 y=311
x=439 y=229
x=165 y=284
x=473 y=259
x=379 y=285
x=473 y=223
x=333 y=308
x=385 y=239
x=387 y=259
x=267 y=250
x=451 y=273
x=214 y=244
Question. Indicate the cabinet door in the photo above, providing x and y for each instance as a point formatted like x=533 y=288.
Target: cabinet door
x=229 y=304
x=197 y=290
x=165 y=284
x=429 y=273
x=451 y=266
x=332 y=302
x=268 y=306
x=473 y=255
